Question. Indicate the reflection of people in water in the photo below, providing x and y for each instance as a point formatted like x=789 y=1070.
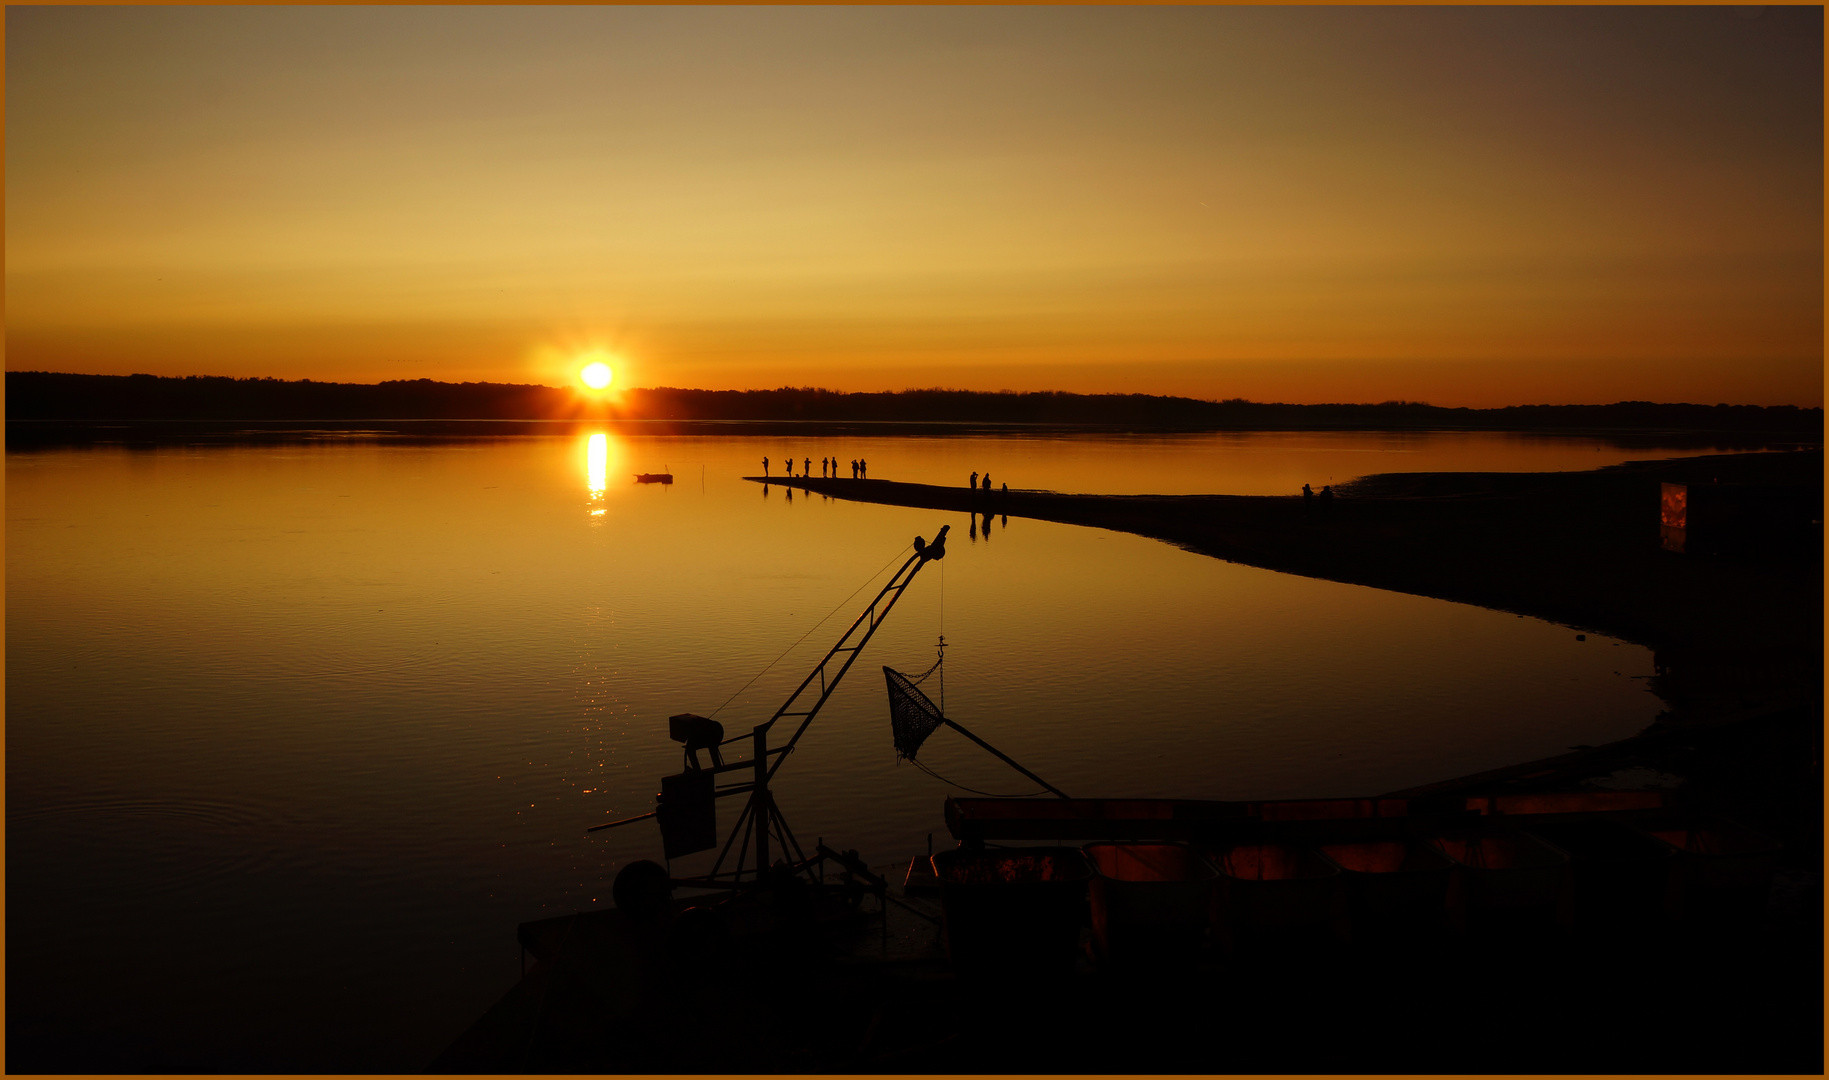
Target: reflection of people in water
x=987 y=526
x=973 y=518
x=764 y=466
x=1006 y=520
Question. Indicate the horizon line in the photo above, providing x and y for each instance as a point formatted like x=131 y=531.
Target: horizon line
x=1006 y=392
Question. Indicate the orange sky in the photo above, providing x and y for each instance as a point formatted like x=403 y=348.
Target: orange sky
x=1465 y=206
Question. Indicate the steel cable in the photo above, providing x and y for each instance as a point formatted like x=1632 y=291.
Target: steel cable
x=810 y=630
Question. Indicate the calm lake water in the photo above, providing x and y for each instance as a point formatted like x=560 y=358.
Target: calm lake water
x=297 y=734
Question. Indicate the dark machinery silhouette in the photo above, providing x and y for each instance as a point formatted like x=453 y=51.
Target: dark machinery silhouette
x=687 y=803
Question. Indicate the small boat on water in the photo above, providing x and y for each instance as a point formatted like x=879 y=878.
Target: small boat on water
x=654 y=478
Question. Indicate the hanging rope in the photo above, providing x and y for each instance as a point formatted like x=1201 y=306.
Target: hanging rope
x=942 y=638
x=974 y=791
x=913 y=717
x=809 y=632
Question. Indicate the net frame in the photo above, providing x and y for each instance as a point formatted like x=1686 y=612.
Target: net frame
x=912 y=715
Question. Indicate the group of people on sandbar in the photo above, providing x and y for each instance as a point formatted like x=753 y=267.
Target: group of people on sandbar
x=859 y=468
x=973 y=484
x=1309 y=497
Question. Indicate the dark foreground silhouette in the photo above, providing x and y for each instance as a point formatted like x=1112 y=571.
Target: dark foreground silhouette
x=822 y=975
x=794 y=979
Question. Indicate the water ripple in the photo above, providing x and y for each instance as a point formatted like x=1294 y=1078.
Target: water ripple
x=168 y=846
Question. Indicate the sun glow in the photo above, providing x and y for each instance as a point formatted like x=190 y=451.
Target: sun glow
x=596 y=375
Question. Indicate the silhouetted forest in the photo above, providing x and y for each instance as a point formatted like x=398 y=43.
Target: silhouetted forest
x=50 y=396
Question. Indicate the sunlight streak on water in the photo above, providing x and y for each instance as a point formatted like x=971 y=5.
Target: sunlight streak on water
x=597 y=464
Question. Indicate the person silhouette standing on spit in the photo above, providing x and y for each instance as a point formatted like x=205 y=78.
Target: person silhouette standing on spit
x=808 y=471
x=987 y=483
x=1308 y=497
x=863 y=469
x=765 y=467
x=790 y=467
x=972 y=484
x=1326 y=496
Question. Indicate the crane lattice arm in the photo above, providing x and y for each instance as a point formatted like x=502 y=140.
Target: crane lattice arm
x=759 y=817
x=871 y=618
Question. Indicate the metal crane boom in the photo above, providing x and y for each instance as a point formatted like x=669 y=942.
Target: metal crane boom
x=871 y=618
x=760 y=816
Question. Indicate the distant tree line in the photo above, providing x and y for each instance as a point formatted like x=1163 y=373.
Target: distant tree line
x=51 y=396
x=42 y=395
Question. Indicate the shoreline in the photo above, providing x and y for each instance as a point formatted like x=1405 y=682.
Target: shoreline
x=1738 y=629
x=1737 y=635
x=24 y=434
x=67 y=396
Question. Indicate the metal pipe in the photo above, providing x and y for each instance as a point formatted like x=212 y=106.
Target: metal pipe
x=624 y=821
x=759 y=799
x=1007 y=760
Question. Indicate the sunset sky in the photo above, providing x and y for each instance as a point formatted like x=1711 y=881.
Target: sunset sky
x=1467 y=206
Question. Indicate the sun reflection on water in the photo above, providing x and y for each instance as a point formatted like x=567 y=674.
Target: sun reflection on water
x=597 y=469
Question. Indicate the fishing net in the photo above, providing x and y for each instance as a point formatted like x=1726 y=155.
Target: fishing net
x=912 y=716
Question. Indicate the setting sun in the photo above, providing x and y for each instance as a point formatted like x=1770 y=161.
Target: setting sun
x=596 y=375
